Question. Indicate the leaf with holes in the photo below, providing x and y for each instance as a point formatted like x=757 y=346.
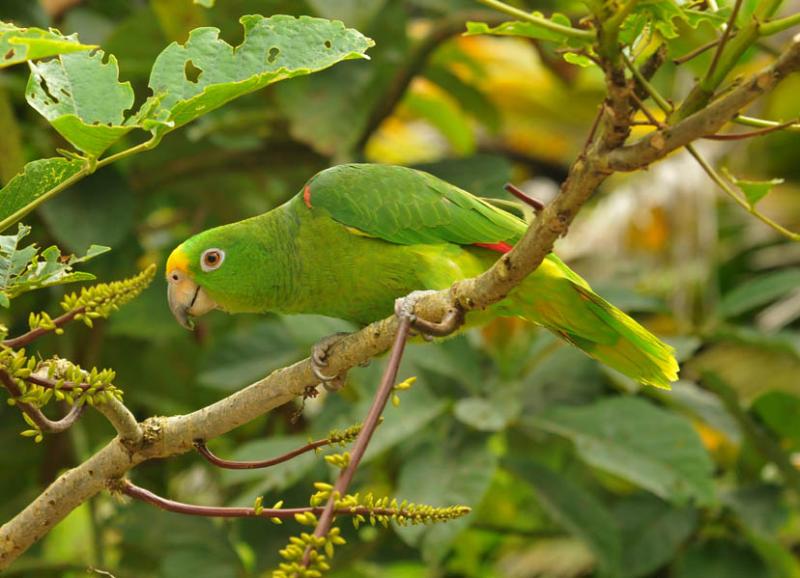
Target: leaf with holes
x=23 y=44
x=191 y=79
x=82 y=98
x=29 y=188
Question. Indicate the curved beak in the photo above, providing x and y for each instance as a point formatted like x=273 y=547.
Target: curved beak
x=187 y=299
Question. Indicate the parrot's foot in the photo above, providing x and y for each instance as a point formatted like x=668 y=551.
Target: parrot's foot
x=319 y=360
x=452 y=320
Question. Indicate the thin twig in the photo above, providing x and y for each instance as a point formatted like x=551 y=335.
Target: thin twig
x=203 y=450
x=44 y=423
x=538 y=206
x=760 y=122
x=137 y=492
x=751 y=133
x=697 y=51
x=370 y=423
x=34 y=334
x=712 y=173
x=651 y=120
x=648 y=88
x=779 y=25
x=726 y=34
x=53 y=384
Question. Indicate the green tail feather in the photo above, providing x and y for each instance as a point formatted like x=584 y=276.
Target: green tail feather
x=589 y=322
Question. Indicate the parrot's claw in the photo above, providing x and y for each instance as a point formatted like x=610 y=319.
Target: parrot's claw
x=452 y=320
x=319 y=360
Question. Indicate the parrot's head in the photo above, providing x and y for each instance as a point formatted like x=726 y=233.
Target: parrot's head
x=202 y=275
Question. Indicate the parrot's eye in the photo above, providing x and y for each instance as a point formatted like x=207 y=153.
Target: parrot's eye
x=212 y=259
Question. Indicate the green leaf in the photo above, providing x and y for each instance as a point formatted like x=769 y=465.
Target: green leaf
x=575 y=509
x=639 y=442
x=653 y=531
x=479 y=413
x=194 y=78
x=82 y=98
x=471 y=100
x=205 y=3
x=445 y=472
x=441 y=112
x=719 y=558
x=579 y=59
x=761 y=508
x=754 y=191
x=24 y=269
x=24 y=44
x=247 y=354
x=780 y=558
x=665 y=17
x=330 y=111
x=781 y=412
x=530 y=30
x=111 y=201
x=759 y=292
x=26 y=190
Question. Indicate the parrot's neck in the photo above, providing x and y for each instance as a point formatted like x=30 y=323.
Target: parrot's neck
x=270 y=280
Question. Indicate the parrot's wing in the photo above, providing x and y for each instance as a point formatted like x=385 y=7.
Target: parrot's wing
x=406 y=206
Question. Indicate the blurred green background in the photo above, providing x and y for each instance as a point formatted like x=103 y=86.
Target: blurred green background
x=572 y=470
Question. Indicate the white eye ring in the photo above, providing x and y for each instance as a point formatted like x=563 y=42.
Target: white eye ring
x=211 y=259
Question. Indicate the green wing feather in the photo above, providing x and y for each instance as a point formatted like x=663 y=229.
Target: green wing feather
x=406 y=206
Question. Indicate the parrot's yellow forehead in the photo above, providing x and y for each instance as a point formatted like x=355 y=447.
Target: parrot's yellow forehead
x=178 y=260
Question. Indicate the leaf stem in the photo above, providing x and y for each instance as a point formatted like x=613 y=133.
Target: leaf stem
x=753 y=133
x=87 y=169
x=203 y=450
x=130 y=489
x=662 y=102
x=740 y=201
x=774 y=26
x=539 y=20
x=34 y=334
x=760 y=122
x=722 y=41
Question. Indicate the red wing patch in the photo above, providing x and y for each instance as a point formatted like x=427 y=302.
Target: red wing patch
x=307 y=196
x=500 y=246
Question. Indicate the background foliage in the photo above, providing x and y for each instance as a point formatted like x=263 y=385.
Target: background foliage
x=571 y=469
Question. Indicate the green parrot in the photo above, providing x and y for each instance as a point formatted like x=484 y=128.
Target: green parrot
x=359 y=236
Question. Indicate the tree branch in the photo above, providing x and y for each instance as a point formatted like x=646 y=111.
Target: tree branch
x=122 y=419
x=168 y=436
x=709 y=120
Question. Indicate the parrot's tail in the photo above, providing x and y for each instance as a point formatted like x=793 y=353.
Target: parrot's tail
x=569 y=308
